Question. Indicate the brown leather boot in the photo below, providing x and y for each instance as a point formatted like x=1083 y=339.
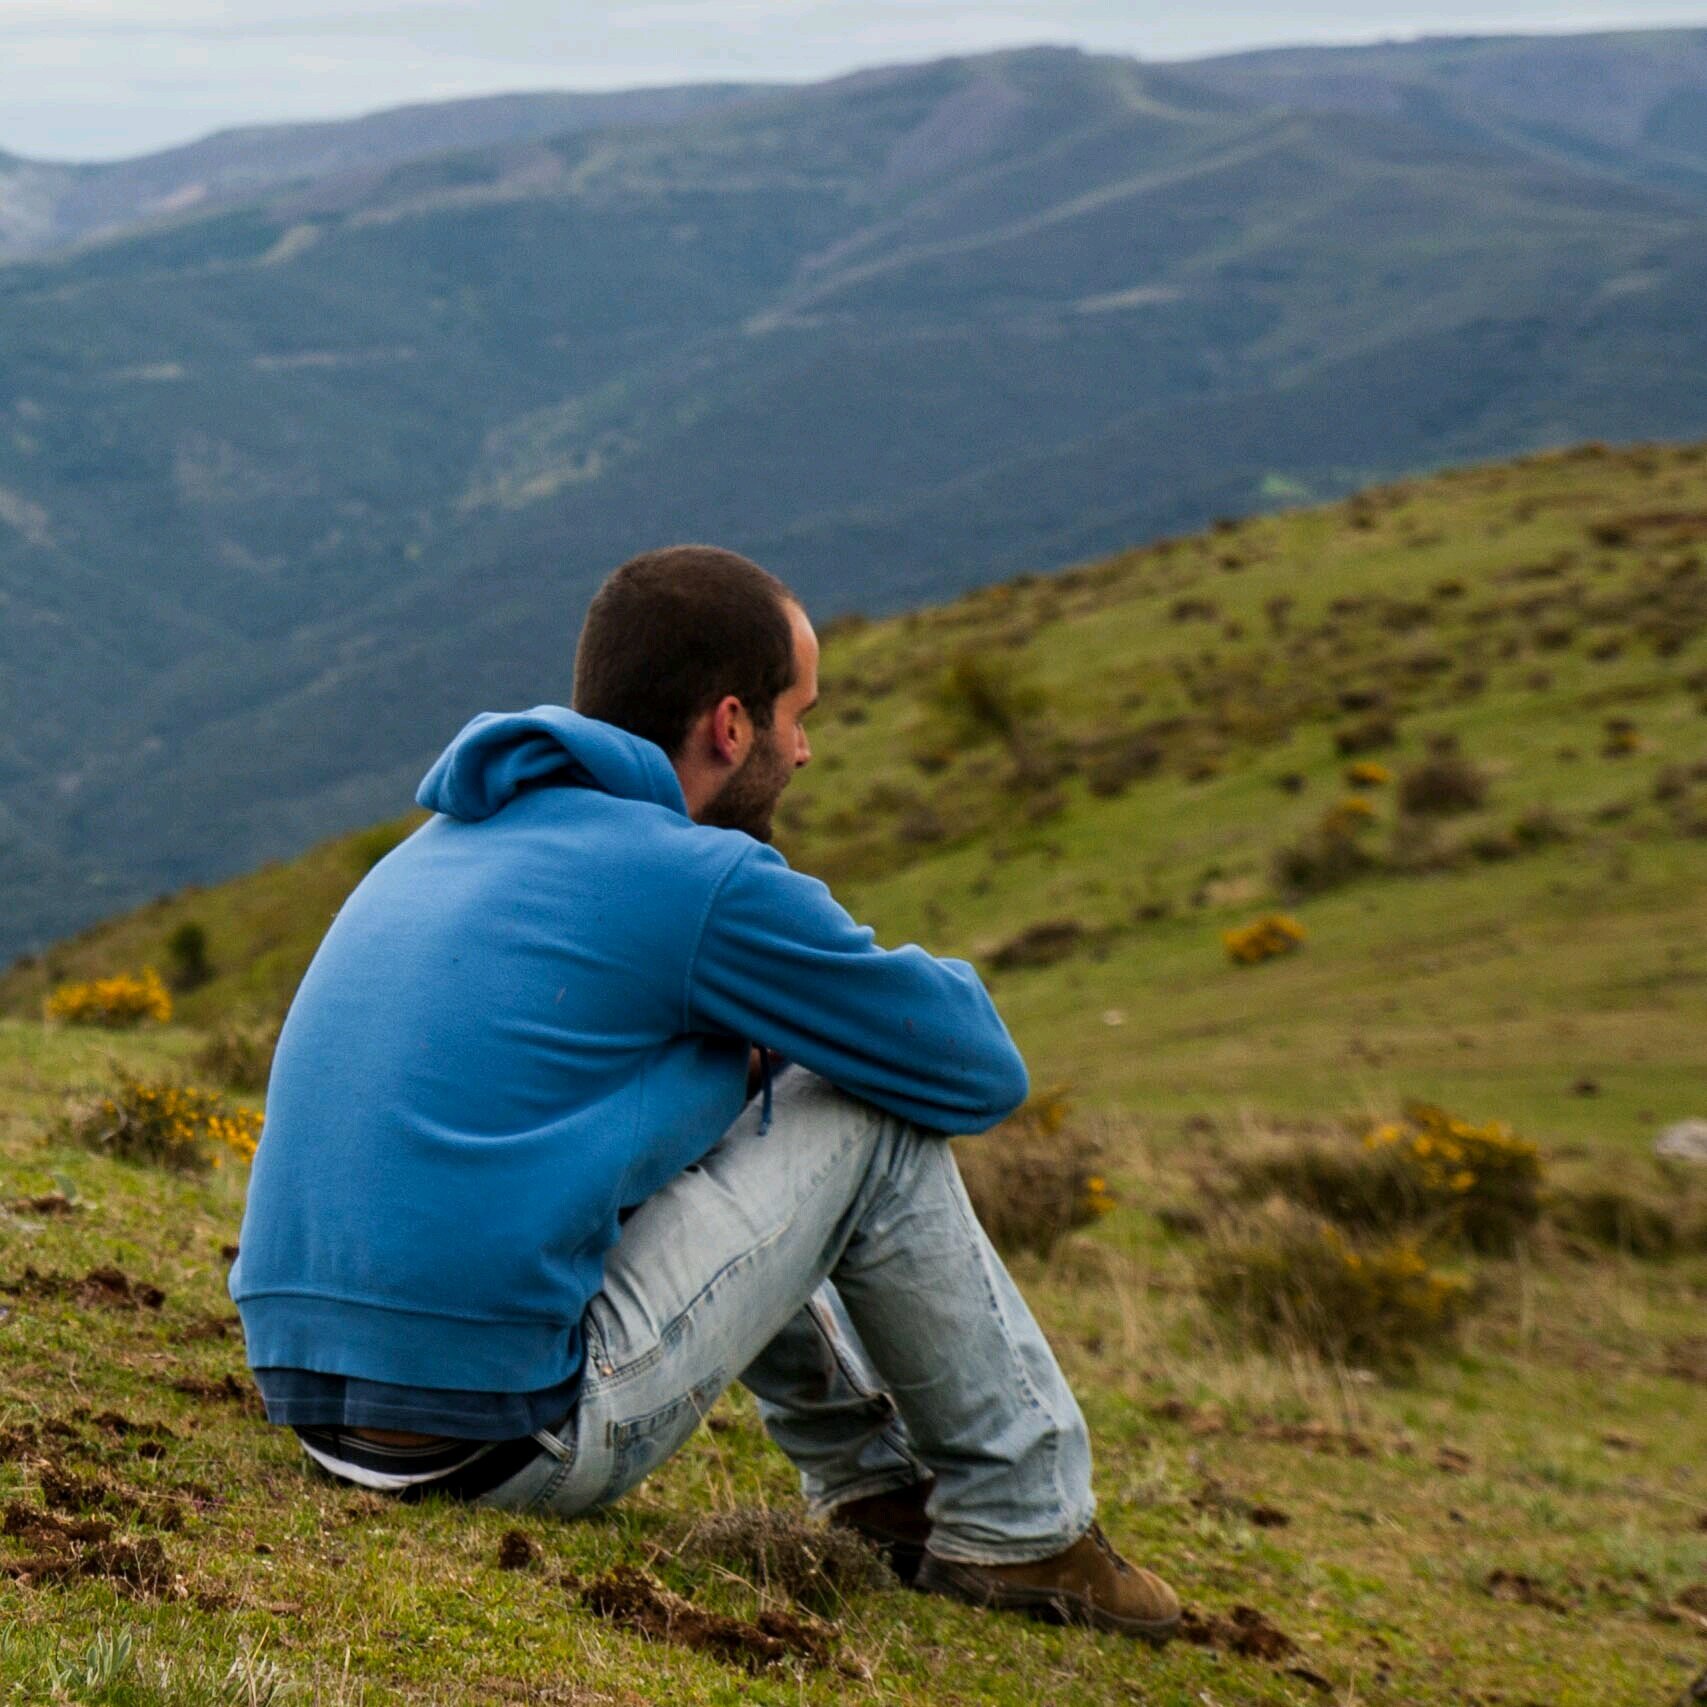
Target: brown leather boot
x=894 y=1523
x=1088 y=1584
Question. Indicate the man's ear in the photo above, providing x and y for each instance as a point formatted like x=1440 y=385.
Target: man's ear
x=730 y=730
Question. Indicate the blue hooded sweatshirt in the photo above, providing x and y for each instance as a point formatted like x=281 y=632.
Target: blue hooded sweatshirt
x=531 y=1015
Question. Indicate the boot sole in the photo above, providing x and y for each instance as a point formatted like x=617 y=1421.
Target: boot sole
x=965 y=1583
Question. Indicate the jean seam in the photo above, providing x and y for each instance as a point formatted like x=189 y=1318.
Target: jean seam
x=559 y=1477
x=969 y=1220
x=892 y=1434
x=1025 y=1385
x=615 y=1378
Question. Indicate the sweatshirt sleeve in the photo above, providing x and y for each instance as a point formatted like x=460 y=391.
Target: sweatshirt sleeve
x=781 y=964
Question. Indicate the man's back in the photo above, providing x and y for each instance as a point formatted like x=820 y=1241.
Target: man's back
x=529 y=1016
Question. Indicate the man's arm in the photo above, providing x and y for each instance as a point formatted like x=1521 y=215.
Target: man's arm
x=781 y=964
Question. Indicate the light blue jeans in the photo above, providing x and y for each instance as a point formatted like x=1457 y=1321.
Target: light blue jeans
x=834 y=1266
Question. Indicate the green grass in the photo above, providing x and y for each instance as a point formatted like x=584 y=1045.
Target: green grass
x=1584 y=1474
x=1537 y=1561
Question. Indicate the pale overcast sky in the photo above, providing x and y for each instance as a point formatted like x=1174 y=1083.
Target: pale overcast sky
x=97 y=79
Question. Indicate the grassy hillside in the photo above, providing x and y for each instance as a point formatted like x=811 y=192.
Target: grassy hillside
x=1181 y=692
x=1080 y=780
x=284 y=484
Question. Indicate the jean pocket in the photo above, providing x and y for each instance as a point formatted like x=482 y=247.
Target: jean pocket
x=638 y=1445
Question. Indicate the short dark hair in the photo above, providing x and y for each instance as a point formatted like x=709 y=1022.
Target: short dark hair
x=672 y=632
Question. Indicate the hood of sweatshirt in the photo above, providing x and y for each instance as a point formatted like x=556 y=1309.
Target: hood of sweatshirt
x=497 y=752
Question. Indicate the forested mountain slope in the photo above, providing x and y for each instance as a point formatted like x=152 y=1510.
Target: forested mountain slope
x=286 y=489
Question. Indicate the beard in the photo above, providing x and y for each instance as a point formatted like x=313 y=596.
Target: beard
x=747 y=800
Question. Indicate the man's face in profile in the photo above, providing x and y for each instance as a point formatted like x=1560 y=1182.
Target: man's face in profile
x=748 y=799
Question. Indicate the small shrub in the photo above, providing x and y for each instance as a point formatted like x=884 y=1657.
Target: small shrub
x=1289 y=1279
x=1540 y=827
x=1367 y=773
x=1369 y=735
x=1622 y=739
x=1113 y=771
x=1493 y=846
x=118 y=1003
x=182 y=1127
x=816 y=1564
x=981 y=698
x=1427 y=1171
x=1444 y=784
x=1332 y=854
x=1617 y=1219
x=920 y=826
x=1417 y=847
x=239 y=1057
x=1480 y=1183
x=186 y=955
x=1349 y=813
x=1263 y=939
x=1042 y=944
x=1035 y=1178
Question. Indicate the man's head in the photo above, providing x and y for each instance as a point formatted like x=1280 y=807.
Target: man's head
x=712 y=658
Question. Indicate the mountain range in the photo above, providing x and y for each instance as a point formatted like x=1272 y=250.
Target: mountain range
x=313 y=441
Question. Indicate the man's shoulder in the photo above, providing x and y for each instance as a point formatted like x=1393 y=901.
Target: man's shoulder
x=646 y=847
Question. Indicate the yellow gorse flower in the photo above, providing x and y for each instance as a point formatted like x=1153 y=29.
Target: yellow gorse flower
x=1461 y=1168
x=124 y=1000
x=1262 y=939
x=177 y=1126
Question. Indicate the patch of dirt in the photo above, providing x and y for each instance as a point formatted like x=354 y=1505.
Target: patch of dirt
x=1319 y=1437
x=49 y=1203
x=1215 y=1497
x=633 y=1599
x=212 y=1326
x=149 y=1437
x=108 y=1287
x=47 y=1528
x=516 y=1552
x=1693 y=1598
x=65 y=1490
x=19 y=1442
x=1686 y=1360
x=201 y=1499
x=1243 y=1631
x=1522 y=1589
x=1454 y=1460
x=1196 y=1419
x=227 y=1389
x=62 y=1549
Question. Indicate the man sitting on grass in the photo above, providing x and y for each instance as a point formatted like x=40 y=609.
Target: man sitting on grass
x=590 y=1105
